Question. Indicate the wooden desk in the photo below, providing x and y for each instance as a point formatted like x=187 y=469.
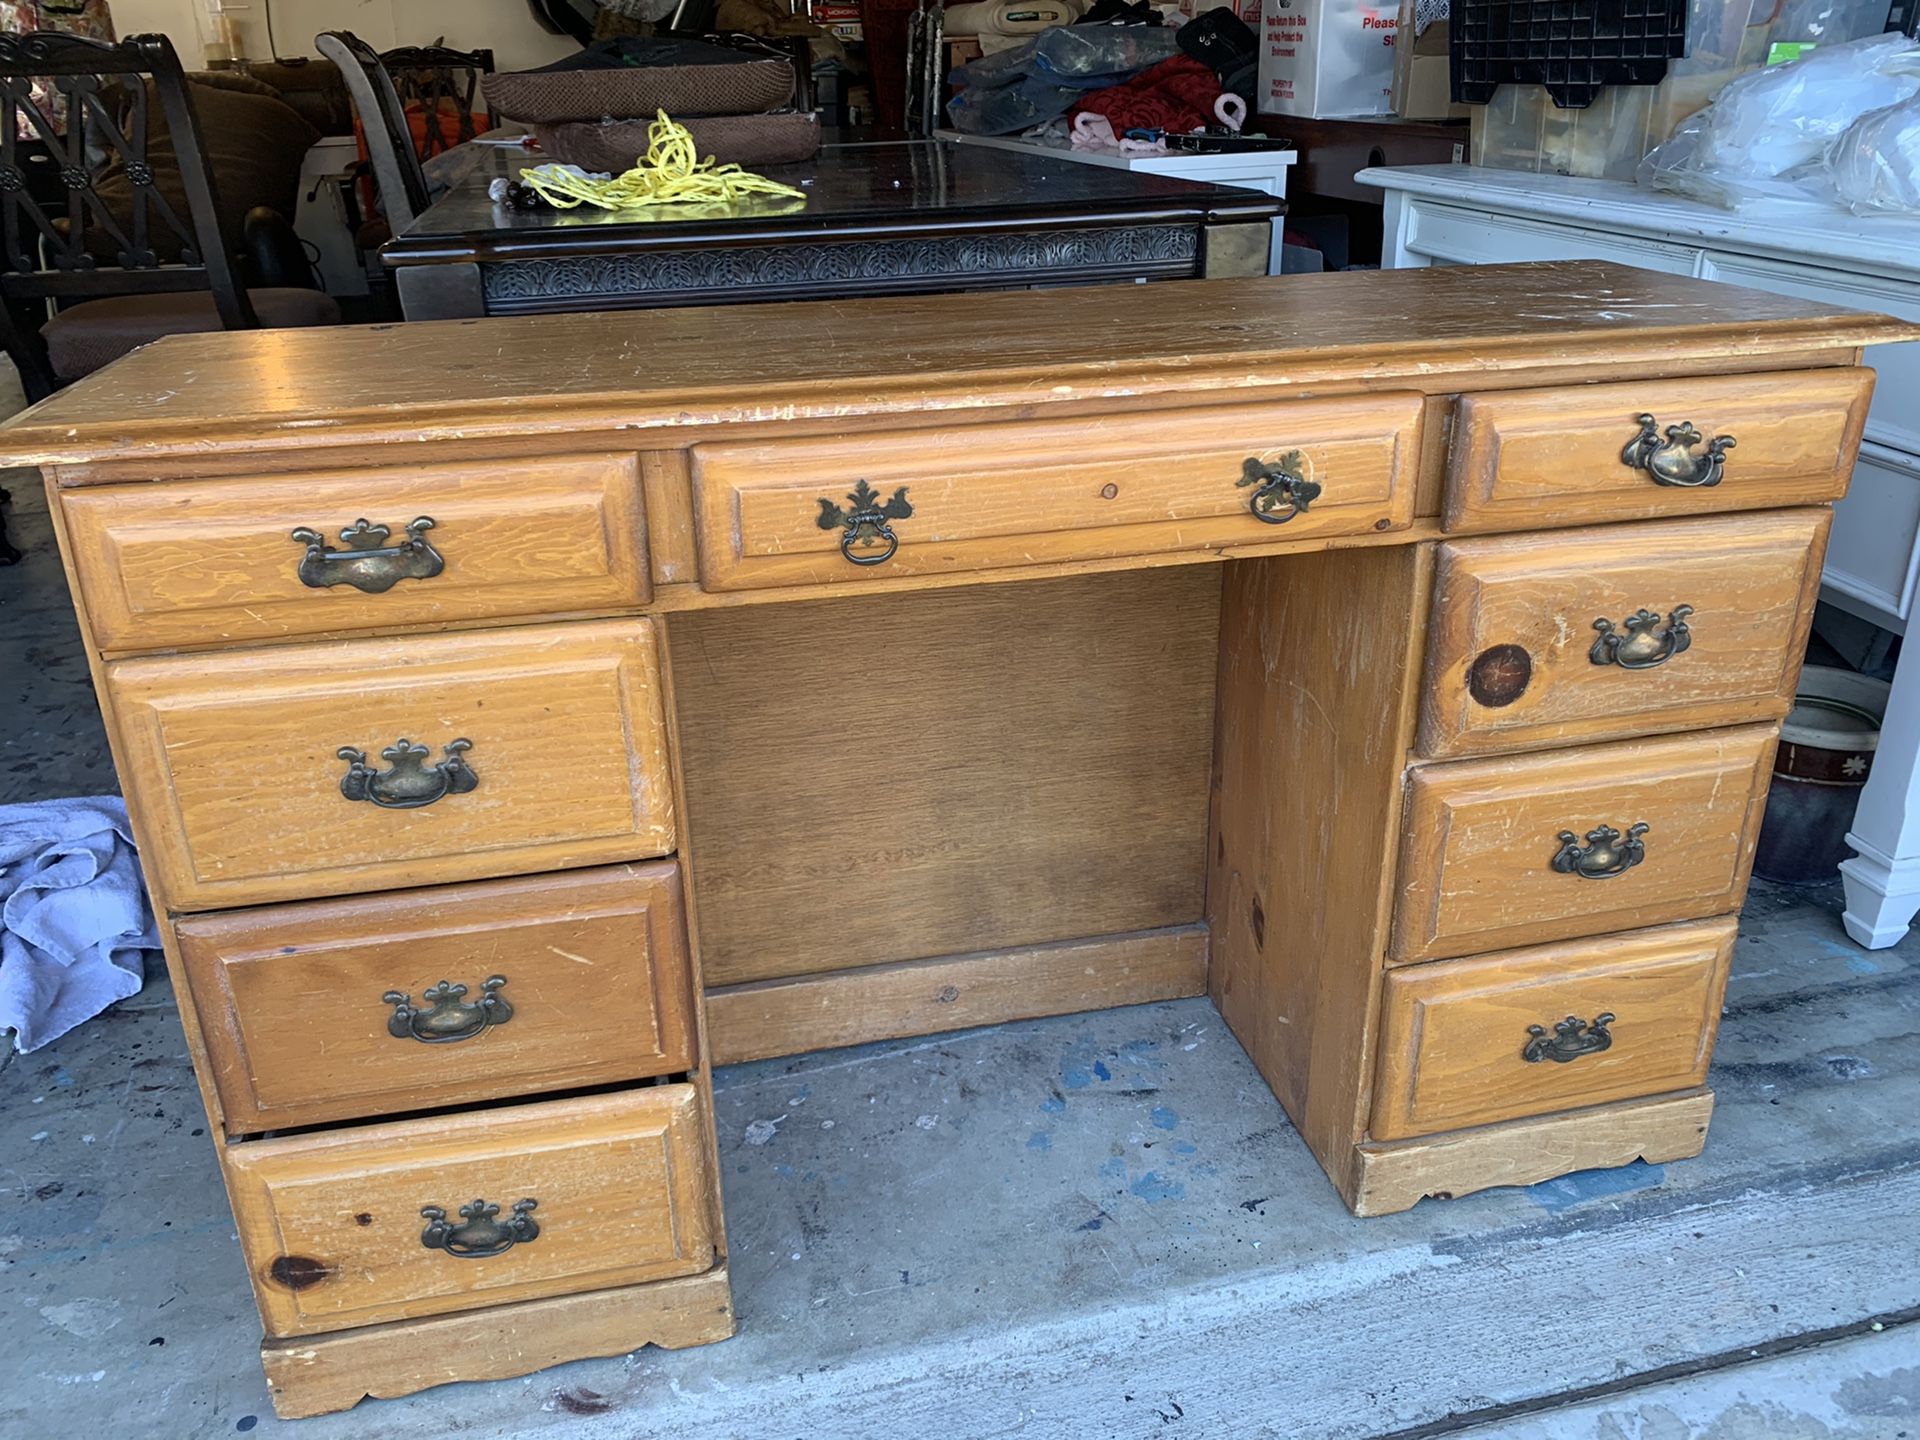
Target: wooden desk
x=1334 y=647
x=905 y=217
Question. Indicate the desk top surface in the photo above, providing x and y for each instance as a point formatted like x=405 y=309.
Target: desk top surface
x=877 y=191
x=635 y=371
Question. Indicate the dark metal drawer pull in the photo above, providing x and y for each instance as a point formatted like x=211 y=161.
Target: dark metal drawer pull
x=1671 y=461
x=445 y=1017
x=866 y=524
x=480 y=1234
x=411 y=782
x=1641 y=648
x=1571 y=1038
x=1281 y=492
x=363 y=564
x=1607 y=853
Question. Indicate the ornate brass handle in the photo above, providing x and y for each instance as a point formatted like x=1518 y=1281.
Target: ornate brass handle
x=1571 y=1038
x=411 y=782
x=446 y=1017
x=1671 y=461
x=1641 y=648
x=363 y=564
x=1607 y=853
x=865 y=524
x=480 y=1232
x=1281 y=491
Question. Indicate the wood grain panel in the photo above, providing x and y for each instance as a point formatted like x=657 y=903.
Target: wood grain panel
x=1319 y=666
x=1452 y=1034
x=1510 y=662
x=990 y=496
x=230 y=757
x=982 y=769
x=1396 y=1175
x=1554 y=456
x=289 y=996
x=1476 y=865
x=211 y=563
x=952 y=992
x=331 y=1224
x=318 y=1374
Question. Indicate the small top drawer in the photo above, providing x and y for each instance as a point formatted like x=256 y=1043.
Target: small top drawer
x=334 y=1009
x=335 y=1236
x=1633 y=451
x=218 y=561
x=1530 y=848
x=375 y=764
x=984 y=497
x=1623 y=630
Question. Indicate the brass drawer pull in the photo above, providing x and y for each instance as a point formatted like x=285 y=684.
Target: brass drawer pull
x=479 y=1234
x=866 y=523
x=446 y=1017
x=1641 y=648
x=1281 y=492
x=1606 y=854
x=363 y=564
x=1571 y=1038
x=411 y=782
x=1671 y=461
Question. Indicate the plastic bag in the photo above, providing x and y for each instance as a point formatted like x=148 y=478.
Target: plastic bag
x=1766 y=135
x=1875 y=165
x=1039 y=80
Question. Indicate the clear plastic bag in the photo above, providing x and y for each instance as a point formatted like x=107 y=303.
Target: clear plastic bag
x=1765 y=137
x=1875 y=165
x=1039 y=80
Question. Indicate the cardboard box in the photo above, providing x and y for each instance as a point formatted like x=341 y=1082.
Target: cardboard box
x=1423 y=72
x=1327 y=59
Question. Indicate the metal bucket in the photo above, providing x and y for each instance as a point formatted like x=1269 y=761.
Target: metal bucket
x=1826 y=753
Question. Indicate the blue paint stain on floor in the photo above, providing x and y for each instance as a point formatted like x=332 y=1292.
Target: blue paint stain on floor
x=1054 y=1104
x=1153 y=1188
x=785 y=1172
x=1165 y=1119
x=1040 y=1141
x=1114 y=1169
x=1582 y=1186
x=63 y=1079
x=1186 y=1147
x=1074 y=1077
x=1100 y=1069
x=1861 y=965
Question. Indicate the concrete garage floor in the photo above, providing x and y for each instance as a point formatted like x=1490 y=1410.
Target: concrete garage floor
x=1093 y=1226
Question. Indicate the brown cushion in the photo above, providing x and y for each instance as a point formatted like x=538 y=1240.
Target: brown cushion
x=82 y=338
x=555 y=97
x=750 y=140
x=254 y=143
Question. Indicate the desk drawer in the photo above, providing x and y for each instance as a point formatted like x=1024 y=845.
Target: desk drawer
x=294 y=1000
x=1558 y=457
x=1543 y=639
x=334 y=1234
x=1471 y=1042
x=985 y=497
x=1505 y=852
x=534 y=749
x=215 y=562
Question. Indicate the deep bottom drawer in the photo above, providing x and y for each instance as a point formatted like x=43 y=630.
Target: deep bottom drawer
x=1525 y=1032
x=353 y=1227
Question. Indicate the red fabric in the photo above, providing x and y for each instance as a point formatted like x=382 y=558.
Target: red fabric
x=1177 y=95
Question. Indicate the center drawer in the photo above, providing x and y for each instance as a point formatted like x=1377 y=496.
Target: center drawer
x=1516 y=851
x=984 y=497
x=360 y=765
x=336 y=1009
x=336 y=1233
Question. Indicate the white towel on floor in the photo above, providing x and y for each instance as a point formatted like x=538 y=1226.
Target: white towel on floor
x=74 y=917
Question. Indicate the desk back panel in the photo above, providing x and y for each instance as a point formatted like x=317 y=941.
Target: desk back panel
x=850 y=813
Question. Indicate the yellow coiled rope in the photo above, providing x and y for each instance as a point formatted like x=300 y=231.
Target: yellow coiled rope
x=670 y=173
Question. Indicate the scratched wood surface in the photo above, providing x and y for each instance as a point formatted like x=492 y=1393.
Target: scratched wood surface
x=596 y=970
x=331 y=1227
x=634 y=371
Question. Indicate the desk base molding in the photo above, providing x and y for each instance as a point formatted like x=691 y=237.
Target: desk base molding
x=315 y=1375
x=954 y=992
x=1388 y=1178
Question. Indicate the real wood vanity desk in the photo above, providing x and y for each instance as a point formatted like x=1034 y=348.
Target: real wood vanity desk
x=519 y=717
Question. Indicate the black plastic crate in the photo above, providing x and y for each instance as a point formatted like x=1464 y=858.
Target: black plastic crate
x=1572 y=47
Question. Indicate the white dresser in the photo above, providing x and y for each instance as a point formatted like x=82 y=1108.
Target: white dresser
x=1465 y=215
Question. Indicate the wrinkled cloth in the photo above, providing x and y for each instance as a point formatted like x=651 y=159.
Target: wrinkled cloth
x=74 y=918
x=1177 y=94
